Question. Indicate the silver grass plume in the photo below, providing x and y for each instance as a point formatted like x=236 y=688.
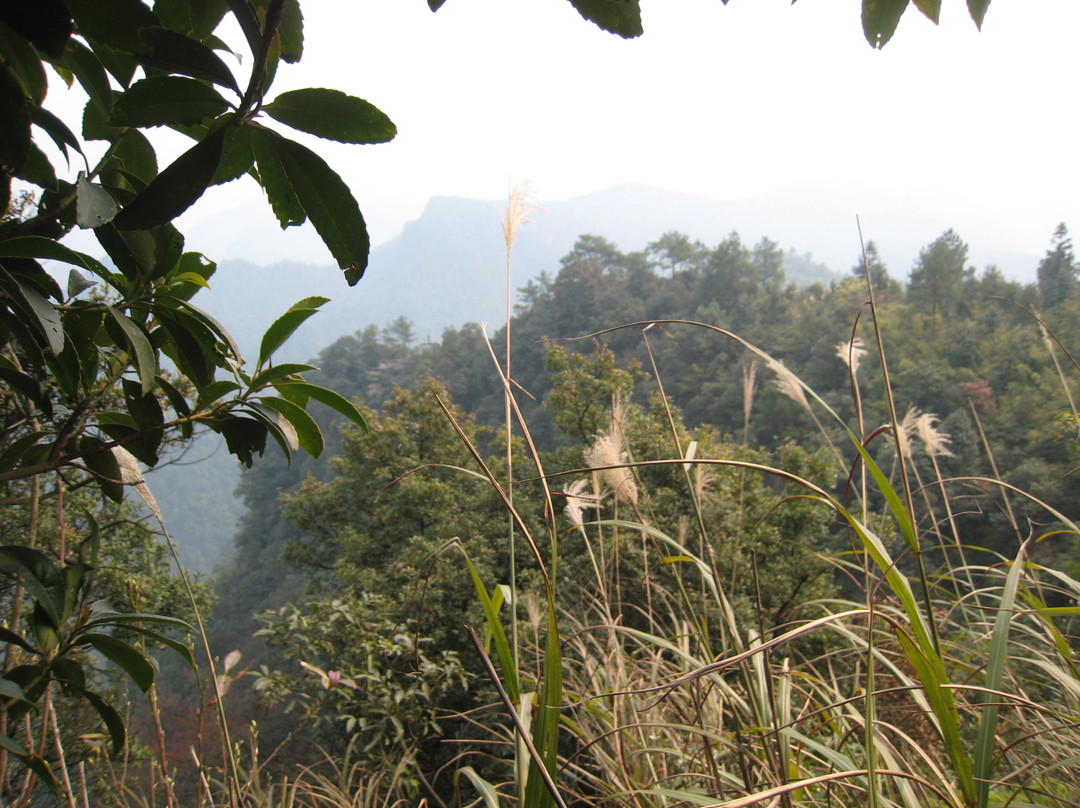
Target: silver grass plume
x=935 y=442
x=130 y=474
x=576 y=503
x=787 y=383
x=516 y=213
x=606 y=454
x=852 y=353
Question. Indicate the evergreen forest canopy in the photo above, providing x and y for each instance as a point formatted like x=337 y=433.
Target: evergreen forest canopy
x=652 y=565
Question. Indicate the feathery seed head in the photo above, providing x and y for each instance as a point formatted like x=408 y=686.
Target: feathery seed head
x=516 y=213
x=935 y=442
x=788 y=383
x=852 y=353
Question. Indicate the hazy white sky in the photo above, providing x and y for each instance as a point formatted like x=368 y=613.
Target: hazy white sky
x=721 y=101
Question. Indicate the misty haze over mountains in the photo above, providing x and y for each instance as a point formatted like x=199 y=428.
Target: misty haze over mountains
x=447 y=267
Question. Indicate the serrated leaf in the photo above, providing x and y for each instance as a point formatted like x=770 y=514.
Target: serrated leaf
x=139 y=347
x=125 y=657
x=176 y=53
x=622 y=17
x=330 y=206
x=333 y=115
x=977 y=9
x=176 y=188
x=880 y=18
x=167 y=101
x=94 y=206
x=308 y=434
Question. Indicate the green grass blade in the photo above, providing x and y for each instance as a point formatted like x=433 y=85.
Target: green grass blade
x=995 y=665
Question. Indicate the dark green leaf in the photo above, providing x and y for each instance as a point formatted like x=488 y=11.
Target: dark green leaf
x=880 y=18
x=334 y=401
x=329 y=205
x=198 y=18
x=131 y=250
x=176 y=188
x=115 y=23
x=40 y=577
x=275 y=182
x=165 y=101
x=27 y=386
x=46 y=23
x=279 y=372
x=183 y=650
x=291 y=32
x=37 y=169
x=8 y=688
x=435 y=5
x=283 y=327
x=177 y=53
x=137 y=155
x=244 y=13
x=332 y=114
x=215 y=390
x=10 y=744
x=139 y=347
x=46 y=316
x=308 y=434
x=278 y=425
x=81 y=61
x=113 y=722
x=128 y=659
x=41 y=247
x=24 y=63
x=15 y=453
x=55 y=129
x=94 y=205
x=931 y=8
x=15 y=114
x=102 y=463
x=622 y=17
x=977 y=9
x=236 y=155
x=244 y=437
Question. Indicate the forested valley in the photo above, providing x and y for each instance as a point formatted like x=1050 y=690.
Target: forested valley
x=357 y=566
x=679 y=531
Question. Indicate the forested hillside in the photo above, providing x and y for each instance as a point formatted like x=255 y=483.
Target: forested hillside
x=357 y=558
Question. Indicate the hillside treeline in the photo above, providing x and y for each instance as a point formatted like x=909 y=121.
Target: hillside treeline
x=360 y=565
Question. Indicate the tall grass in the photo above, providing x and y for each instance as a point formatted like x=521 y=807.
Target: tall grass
x=949 y=680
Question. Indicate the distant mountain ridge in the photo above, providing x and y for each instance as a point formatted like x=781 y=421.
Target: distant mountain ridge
x=447 y=267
